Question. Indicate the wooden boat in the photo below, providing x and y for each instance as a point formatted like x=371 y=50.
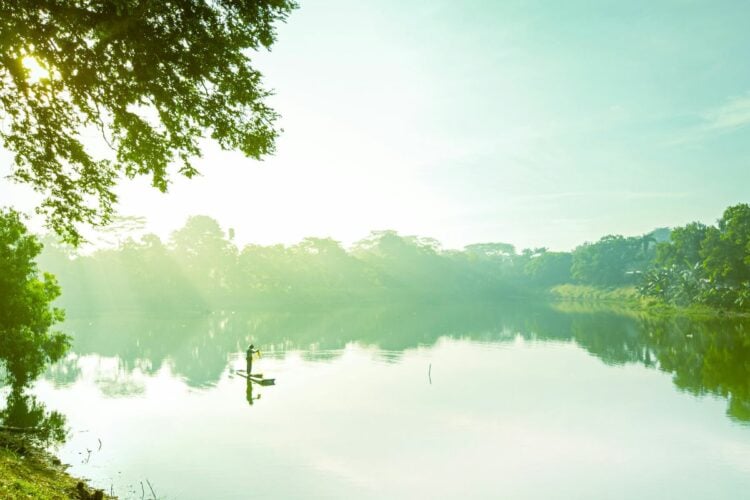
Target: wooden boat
x=257 y=378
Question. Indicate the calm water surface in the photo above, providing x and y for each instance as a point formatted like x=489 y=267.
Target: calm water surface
x=409 y=402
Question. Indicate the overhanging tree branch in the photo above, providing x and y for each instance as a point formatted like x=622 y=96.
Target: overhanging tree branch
x=153 y=77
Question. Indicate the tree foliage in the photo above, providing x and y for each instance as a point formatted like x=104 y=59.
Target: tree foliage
x=550 y=268
x=611 y=261
x=726 y=248
x=705 y=264
x=684 y=247
x=26 y=314
x=150 y=77
x=201 y=268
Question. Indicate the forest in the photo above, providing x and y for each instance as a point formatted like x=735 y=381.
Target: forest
x=200 y=267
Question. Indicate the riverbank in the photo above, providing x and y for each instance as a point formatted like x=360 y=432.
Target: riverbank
x=585 y=293
x=627 y=297
x=27 y=471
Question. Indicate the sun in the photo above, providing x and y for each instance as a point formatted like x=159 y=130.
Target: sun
x=36 y=71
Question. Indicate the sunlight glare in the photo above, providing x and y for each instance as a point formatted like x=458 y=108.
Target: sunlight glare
x=36 y=70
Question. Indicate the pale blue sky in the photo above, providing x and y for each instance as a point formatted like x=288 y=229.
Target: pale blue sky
x=536 y=123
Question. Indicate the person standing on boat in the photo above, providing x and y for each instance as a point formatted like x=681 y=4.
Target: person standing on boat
x=249 y=358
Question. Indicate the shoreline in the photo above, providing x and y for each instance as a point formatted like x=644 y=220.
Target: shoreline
x=628 y=298
x=29 y=471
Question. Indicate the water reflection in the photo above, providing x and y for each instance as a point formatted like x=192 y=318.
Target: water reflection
x=711 y=357
x=249 y=392
x=23 y=413
x=705 y=357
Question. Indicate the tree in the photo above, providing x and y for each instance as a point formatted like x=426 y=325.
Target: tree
x=151 y=77
x=549 y=268
x=607 y=261
x=726 y=248
x=683 y=249
x=705 y=264
x=204 y=254
x=26 y=314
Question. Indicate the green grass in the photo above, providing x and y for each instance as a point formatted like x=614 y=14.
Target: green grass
x=27 y=472
x=586 y=293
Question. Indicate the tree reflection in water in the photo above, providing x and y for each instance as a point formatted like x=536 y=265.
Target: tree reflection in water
x=23 y=413
x=704 y=356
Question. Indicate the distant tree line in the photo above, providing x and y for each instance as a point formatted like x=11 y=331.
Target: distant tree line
x=200 y=266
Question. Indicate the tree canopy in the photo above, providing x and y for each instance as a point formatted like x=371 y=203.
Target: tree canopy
x=608 y=261
x=705 y=264
x=150 y=78
x=26 y=314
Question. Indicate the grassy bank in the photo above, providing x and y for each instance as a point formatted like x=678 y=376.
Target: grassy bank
x=584 y=293
x=628 y=298
x=27 y=471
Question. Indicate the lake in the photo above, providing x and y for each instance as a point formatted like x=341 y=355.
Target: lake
x=407 y=401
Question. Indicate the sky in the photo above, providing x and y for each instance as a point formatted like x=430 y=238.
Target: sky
x=537 y=123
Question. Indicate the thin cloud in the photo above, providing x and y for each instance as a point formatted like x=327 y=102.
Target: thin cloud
x=734 y=114
x=728 y=117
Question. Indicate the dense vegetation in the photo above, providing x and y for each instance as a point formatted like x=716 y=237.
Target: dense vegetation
x=200 y=267
x=705 y=264
x=26 y=314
